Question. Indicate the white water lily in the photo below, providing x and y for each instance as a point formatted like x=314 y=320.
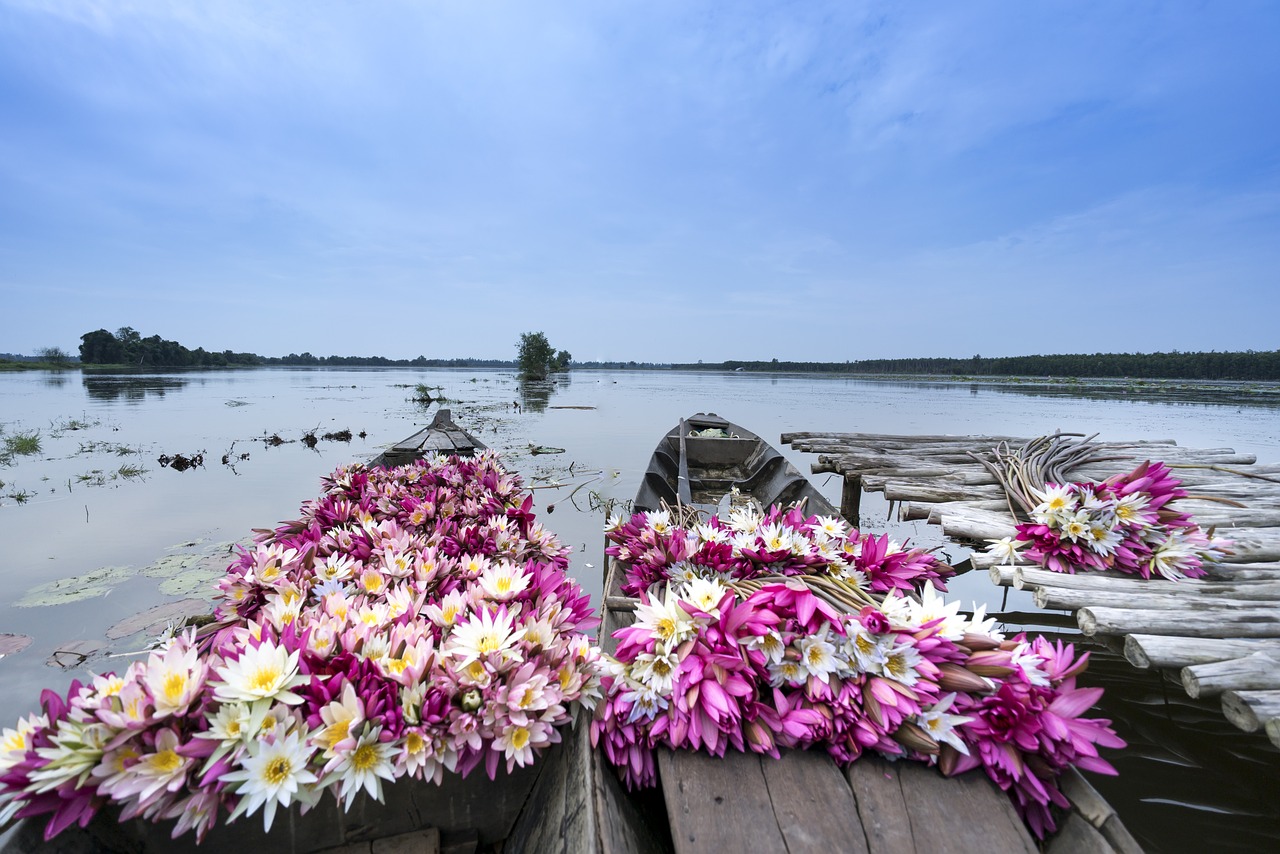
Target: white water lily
x=933 y=607
x=705 y=595
x=271 y=774
x=262 y=672
x=941 y=726
x=174 y=678
x=365 y=766
x=504 y=581
x=666 y=620
x=1007 y=550
x=819 y=655
x=484 y=634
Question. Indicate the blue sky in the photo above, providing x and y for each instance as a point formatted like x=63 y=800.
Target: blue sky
x=642 y=180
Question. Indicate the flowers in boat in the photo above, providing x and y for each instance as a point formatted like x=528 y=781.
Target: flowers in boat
x=414 y=621
x=1127 y=523
x=811 y=662
x=752 y=544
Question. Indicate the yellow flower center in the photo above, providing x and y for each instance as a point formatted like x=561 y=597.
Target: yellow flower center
x=364 y=758
x=666 y=628
x=174 y=684
x=277 y=771
x=334 y=733
x=661 y=666
x=414 y=743
x=265 y=679
x=519 y=738
x=233 y=729
x=814 y=655
x=503 y=584
x=166 y=762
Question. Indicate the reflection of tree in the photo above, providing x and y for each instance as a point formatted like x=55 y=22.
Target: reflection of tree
x=535 y=394
x=130 y=389
x=55 y=380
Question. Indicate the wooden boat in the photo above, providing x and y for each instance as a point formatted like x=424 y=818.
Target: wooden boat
x=556 y=804
x=705 y=458
x=803 y=801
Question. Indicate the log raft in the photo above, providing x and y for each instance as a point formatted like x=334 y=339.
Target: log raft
x=1219 y=635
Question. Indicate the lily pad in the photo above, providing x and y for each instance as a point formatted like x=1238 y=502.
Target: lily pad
x=65 y=590
x=9 y=644
x=75 y=653
x=198 y=581
x=154 y=620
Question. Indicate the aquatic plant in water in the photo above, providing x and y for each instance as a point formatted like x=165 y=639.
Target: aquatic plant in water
x=723 y=656
x=413 y=622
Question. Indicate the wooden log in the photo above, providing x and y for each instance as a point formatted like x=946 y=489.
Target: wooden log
x=977 y=525
x=1002 y=576
x=1172 y=653
x=851 y=498
x=1243 y=572
x=1253 y=545
x=1255 y=672
x=1272 y=728
x=1034 y=576
x=910 y=490
x=985 y=560
x=1250 y=710
x=937 y=511
x=1067 y=599
x=1201 y=622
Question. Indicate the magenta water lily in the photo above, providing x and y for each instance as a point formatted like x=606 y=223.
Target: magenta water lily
x=752 y=544
x=414 y=622
x=725 y=657
x=1126 y=523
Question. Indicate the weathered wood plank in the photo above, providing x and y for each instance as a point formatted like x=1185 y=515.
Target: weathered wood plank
x=812 y=803
x=1077 y=836
x=1092 y=807
x=718 y=805
x=961 y=814
x=882 y=807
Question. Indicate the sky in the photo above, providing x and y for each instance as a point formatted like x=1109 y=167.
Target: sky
x=650 y=181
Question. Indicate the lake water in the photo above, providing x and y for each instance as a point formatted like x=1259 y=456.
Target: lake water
x=72 y=513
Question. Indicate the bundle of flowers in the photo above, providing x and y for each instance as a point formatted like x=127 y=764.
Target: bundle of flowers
x=413 y=621
x=795 y=662
x=1127 y=523
x=750 y=544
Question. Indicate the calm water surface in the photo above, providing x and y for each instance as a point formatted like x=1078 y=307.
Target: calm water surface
x=139 y=540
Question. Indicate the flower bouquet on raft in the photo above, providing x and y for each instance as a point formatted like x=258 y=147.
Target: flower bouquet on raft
x=764 y=631
x=414 y=622
x=1126 y=523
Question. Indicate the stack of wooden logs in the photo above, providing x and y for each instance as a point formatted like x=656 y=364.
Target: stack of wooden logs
x=1222 y=632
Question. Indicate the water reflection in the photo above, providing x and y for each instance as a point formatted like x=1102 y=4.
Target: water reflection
x=55 y=379
x=536 y=394
x=130 y=389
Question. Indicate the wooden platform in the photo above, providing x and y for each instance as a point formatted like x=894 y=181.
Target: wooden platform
x=1221 y=634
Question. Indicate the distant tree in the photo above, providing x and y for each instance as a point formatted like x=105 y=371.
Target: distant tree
x=535 y=356
x=100 y=347
x=56 y=355
x=561 y=361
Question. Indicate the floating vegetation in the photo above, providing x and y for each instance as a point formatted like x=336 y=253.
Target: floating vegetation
x=191 y=573
x=156 y=620
x=536 y=450
x=181 y=462
x=57 y=428
x=11 y=643
x=77 y=588
x=338 y=436
x=237 y=403
x=24 y=444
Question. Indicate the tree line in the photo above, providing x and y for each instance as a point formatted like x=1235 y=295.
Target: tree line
x=536 y=358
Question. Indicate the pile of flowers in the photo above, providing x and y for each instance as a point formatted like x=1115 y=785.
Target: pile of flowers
x=414 y=621
x=812 y=660
x=751 y=544
x=1126 y=523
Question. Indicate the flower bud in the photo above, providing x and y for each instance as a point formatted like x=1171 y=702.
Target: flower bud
x=915 y=738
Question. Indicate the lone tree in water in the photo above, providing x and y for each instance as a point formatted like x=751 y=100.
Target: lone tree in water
x=536 y=356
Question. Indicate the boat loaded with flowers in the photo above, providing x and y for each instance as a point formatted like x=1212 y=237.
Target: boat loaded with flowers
x=412 y=638
x=764 y=629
